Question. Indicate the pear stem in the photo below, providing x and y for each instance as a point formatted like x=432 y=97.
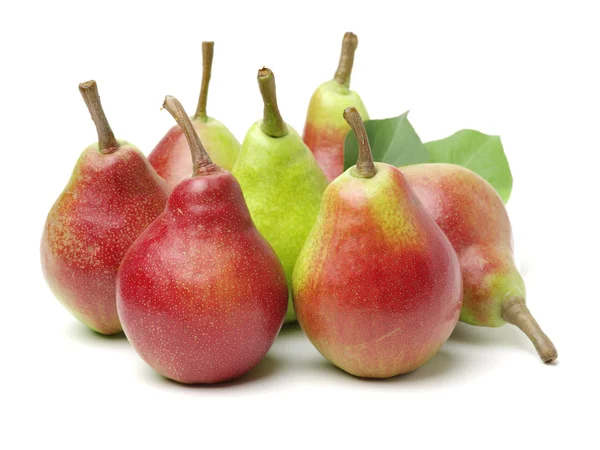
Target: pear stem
x=207 y=59
x=272 y=124
x=344 y=70
x=515 y=312
x=201 y=162
x=107 y=143
x=365 y=168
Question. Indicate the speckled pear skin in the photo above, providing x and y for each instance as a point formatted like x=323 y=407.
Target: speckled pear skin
x=171 y=156
x=201 y=294
x=325 y=129
x=283 y=186
x=471 y=213
x=108 y=202
x=377 y=287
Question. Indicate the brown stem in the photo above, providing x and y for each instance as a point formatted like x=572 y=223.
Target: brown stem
x=207 y=58
x=201 y=162
x=344 y=70
x=365 y=168
x=272 y=124
x=515 y=311
x=107 y=143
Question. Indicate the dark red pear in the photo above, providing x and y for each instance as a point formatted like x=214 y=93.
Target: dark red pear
x=201 y=294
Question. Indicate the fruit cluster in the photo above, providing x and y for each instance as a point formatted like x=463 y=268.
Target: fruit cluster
x=377 y=263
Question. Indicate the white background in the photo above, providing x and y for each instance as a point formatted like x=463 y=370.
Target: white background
x=527 y=71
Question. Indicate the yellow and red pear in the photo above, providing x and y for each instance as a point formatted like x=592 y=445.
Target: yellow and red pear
x=474 y=218
x=171 y=156
x=325 y=128
x=112 y=196
x=377 y=287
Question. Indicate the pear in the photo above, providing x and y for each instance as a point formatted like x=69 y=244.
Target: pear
x=113 y=194
x=171 y=157
x=201 y=293
x=471 y=213
x=377 y=287
x=281 y=181
x=325 y=129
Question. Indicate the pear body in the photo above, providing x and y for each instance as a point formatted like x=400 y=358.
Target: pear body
x=377 y=287
x=471 y=213
x=201 y=294
x=171 y=156
x=283 y=186
x=325 y=129
x=108 y=202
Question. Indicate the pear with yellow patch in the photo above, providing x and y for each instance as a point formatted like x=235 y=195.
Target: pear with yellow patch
x=377 y=287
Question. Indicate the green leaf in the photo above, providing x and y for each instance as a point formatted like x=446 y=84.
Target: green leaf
x=481 y=153
x=393 y=141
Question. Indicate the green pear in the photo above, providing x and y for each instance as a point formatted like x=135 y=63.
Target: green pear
x=281 y=181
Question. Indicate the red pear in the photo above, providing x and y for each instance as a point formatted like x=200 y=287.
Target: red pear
x=171 y=156
x=377 y=287
x=201 y=294
x=474 y=218
x=113 y=194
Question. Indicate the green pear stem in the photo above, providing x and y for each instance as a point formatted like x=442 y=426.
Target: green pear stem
x=515 y=312
x=365 y=168
x=107 y=143
x=201 y=162
x=207 y=59
x=344 y=70
x=272 y=124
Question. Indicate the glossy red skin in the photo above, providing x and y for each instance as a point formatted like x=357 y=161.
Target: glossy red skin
x=201 y=294
x=464 y=205
x=107 y=204
x=376 y=308
x=327 y=146
x=171 y=157
x=471 y=213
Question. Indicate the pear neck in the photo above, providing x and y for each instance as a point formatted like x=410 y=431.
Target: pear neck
x=207 y=59
x=107 y=142
x=272 y=124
